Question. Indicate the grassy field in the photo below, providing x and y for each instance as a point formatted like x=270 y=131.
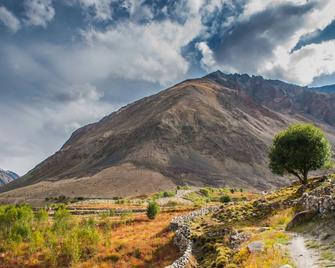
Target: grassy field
x=31 y=239
x=116 y=234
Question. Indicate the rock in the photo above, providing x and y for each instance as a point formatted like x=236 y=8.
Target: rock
x=257 y=246
x=300 y=218
x=325 y=236
x=263 y=229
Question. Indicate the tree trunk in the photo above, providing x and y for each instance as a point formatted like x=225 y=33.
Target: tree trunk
x=305 y=177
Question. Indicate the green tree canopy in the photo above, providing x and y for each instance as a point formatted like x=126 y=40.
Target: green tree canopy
x=152 y=210
x=299 y=149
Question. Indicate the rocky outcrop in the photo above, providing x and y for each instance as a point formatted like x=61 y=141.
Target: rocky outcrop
x=320 y=200
x=7 y=176
x=182 y=241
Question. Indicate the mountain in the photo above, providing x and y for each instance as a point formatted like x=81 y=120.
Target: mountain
x=214 y=130
x=326 y=89
x=7 y=176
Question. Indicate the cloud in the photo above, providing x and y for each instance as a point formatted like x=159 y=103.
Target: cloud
x=41 y=126
x=38 y=12
x=207 y=61
x=310 y=61
x=149 y=52
x=99 y=10
x=101 y=54
x=8 y=19
x=261 y=38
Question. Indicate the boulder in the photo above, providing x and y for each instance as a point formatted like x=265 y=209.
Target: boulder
x=300 y=218
x=257 y=246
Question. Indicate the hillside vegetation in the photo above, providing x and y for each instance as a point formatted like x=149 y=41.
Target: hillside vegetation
x=257 y=233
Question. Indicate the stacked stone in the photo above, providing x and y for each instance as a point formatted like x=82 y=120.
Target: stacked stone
x=320 y=200
x=182 y=241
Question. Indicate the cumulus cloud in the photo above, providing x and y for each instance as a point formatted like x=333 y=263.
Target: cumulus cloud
x=207 y=61
x=261 y=38
x=8 y=19
x=150 y=52
x=99 y=10
x=310 y=61
x=45 y=124
x=38 y=12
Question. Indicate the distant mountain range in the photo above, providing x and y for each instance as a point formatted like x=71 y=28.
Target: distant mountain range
x=326 y=89
x=215 y=130
x=7 y=176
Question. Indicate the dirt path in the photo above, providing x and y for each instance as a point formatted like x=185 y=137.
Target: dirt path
x=303 y=257
x=178 y=198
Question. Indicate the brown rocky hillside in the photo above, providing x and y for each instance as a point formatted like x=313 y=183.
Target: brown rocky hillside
x=209 y=131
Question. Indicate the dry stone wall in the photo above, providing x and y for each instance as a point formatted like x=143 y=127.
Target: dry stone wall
x=181 y=225
x=320 y=200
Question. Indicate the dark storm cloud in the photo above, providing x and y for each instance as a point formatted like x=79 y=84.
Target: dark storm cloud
x=318 y=36
x=252 y=41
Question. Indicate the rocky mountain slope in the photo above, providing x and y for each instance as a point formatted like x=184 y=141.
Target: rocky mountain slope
x=209 y=131
x=7 y=176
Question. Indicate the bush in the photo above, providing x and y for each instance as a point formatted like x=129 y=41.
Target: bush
x=36 y=242
x=137 y=253
x=15 y=223
x=225 y=199
x=169 y=194
x=87 y=239
x=152 y=210
x=69 y=251
x=299 y=149
x=41 y=216
x=205 y=192
x=62 y=220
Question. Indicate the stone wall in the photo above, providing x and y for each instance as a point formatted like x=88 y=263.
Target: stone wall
x=320 y=200
x=182 y=241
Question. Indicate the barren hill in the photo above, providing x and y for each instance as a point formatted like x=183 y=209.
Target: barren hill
x=209 y=131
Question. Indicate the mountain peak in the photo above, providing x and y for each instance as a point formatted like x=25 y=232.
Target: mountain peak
x=212 y=131
x=7 y=176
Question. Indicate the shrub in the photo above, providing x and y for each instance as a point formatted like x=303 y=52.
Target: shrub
x=41 y=216
x=152 y=210
x=69 y=251
x=169 y=194
x=62 y=220
x=36 y=242
x=299 y=149
x=205 y=192
x=115 y=257
x=16 y=223
x=137 y=253
x=87 y=239
x=225 y=199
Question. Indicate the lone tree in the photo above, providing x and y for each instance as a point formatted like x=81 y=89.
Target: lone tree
x=299 y=149
x=152 y=210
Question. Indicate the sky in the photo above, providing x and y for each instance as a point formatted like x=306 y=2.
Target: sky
x=67 y=63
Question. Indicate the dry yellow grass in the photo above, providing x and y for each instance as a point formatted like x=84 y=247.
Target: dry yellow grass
x=275 y=253
x=142 y=243
x=129 y=241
